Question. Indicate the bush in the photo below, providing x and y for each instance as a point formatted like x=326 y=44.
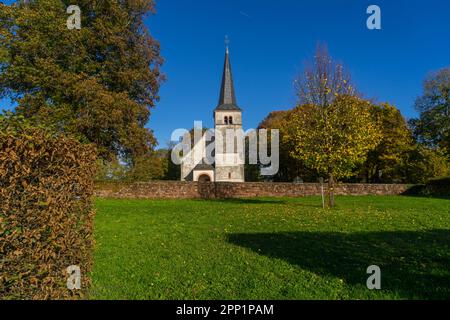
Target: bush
x=439 y=186
x=46 y=184
x=440 y=182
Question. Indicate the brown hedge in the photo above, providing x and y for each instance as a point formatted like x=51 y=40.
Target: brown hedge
x=46 y=186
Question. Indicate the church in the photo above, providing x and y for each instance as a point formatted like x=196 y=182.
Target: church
x=227 y=116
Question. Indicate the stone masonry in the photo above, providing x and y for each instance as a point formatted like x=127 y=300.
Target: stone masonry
x=220 y=190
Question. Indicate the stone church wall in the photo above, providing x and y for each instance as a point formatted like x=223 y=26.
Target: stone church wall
x=194 y=190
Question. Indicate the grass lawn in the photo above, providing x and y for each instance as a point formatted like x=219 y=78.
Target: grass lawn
x=271 y=248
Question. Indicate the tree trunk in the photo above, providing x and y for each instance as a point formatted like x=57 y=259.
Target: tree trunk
x=331 y=191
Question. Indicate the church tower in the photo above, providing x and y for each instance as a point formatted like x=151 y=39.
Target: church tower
x=227 y=115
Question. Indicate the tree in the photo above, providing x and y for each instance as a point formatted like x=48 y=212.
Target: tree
x=252 y=171
x=290 y=167
x=322 y=80
x=336 y=139
x=333 y=130
x=173 y=170
x=5 y=24
x=110 y=170
x=423 y=163
x=98 y=83
x=152 y=166
x=433 y=125
x=384 y=162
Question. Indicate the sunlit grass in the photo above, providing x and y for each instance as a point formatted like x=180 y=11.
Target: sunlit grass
x=271 y=248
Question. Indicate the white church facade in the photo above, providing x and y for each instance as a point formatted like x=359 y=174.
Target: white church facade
x=228 y=166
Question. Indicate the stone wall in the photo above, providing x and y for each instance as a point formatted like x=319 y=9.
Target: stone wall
x=193 y=190
x=147 y=190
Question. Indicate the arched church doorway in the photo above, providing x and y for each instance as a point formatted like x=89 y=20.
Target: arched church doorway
x=204 y=178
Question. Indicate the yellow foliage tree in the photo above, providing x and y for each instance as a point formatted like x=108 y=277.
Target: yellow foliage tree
x=384 y=162
x=334 y=139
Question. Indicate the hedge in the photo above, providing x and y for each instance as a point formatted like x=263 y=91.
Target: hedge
x=439 y=186
x=46 y=213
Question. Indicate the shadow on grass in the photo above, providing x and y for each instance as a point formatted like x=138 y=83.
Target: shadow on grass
x=426 y=196
x=413 y=264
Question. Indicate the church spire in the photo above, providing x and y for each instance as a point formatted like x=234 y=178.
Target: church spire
x=227 y=100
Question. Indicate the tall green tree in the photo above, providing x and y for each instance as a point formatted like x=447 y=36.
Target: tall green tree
x=385 y=161
x=173 y=171
x=98 y=83
x=433 y=125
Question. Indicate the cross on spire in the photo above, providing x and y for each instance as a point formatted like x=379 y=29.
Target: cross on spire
x=227 y=42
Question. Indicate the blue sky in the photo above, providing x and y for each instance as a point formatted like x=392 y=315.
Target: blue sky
x=271 y=40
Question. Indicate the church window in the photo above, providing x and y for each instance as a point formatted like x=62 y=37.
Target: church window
x=229 y=175
x=225 y=120
x=230 y=120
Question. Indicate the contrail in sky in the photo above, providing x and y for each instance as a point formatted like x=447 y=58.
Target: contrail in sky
x=244 y=14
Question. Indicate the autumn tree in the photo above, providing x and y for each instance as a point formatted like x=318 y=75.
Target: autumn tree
x=291 y=168
x=336 y=139
x=433 y=125
x=98 y=83
x=148 y=167
x=112 y=170
x=422 y=163
x=151 y=166
x=332 y=128
x=384 y=163
x=322 y=80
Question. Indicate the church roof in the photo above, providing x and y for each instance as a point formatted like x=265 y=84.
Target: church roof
x=203 y=167
x=227 y=100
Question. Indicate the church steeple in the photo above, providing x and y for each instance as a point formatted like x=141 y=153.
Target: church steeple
x=227 y=99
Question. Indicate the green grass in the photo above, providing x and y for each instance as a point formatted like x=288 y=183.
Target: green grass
x=271 y=248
